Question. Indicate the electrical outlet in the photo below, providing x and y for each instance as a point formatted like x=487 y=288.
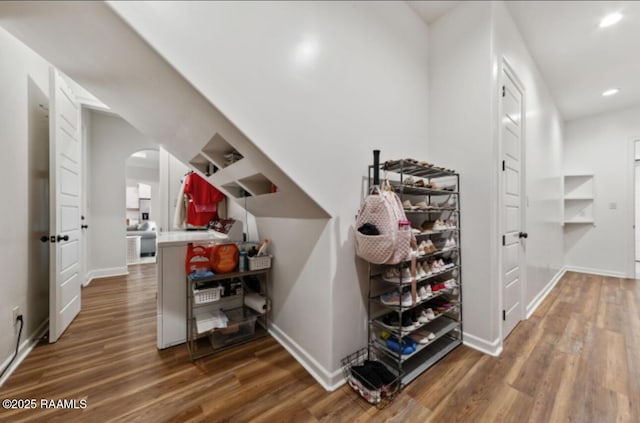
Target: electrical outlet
x=16 y=313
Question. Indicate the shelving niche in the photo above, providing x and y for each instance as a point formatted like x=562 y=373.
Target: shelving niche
x=578 y=200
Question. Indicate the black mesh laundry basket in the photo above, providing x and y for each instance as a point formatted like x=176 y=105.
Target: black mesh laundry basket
x=361 y=381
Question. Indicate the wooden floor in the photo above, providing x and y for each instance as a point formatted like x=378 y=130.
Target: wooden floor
x=576 y=360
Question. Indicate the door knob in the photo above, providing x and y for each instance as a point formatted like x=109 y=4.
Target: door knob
x=44 y=238
x=84 y=226
x=523 y=235
x=62 y=238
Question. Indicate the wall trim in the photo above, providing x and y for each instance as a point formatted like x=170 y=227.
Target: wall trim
x=23 y=350
x=491 y=348
x=591 y=271
x=330 y=381
x=105 y=273
x=535 y=303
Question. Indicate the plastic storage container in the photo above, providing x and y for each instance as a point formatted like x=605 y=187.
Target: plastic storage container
x=241 y=326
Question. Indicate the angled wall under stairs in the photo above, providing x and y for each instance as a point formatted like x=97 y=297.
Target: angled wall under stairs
x=91 y=44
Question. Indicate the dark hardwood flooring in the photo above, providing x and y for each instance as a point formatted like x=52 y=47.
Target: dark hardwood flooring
x=577 y=359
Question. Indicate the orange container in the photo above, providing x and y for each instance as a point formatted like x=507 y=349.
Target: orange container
x=224 y=258
x=197 y=259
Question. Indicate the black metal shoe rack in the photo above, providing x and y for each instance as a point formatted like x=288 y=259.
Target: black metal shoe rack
x=447 y=324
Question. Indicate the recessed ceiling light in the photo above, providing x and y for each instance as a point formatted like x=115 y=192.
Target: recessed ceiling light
x=611 y=19
x=143 y=154
x=610 y=92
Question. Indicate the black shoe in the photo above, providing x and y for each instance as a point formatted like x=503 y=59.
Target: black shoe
x=367 y=377
x=407 y=322
x=391 y=320
x=381 y=370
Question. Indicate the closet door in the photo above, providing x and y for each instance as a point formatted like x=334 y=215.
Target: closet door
x=65 y=182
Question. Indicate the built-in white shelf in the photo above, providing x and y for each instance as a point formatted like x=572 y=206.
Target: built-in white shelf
x=578 y=196
x=579 y=221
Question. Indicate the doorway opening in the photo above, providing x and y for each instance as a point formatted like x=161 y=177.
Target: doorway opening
x=142 y=205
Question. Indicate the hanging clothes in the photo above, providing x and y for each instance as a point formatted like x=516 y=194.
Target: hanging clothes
x=198 y=203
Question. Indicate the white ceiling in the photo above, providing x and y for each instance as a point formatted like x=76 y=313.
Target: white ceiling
x=578 y=59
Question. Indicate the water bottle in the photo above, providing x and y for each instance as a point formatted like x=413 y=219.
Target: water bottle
x=242 y=261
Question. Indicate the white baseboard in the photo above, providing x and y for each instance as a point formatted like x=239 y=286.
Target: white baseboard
x=491 y=348
x=591 y=271
x=330 y=381
x=23 y=350
x=533 y=305
x=105 y=273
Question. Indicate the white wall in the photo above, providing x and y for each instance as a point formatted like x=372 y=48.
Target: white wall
x=602 y=145
x=461 y=138
x=467 y=47
x=24 y=82
x=543 y=141
x=112 y=141
x=318 y=86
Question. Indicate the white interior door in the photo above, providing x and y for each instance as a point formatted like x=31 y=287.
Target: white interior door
x=65 y=182
x=637 y=206
x=512 y=250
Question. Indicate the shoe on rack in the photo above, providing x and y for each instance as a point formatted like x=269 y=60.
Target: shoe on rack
x=420 y=249
x=409 y=181
x=429 y=314
x=422 y=336
x=428 y=291
x=407 y=322
x=423 y=317
x=406 y=204
x=406 y=300
x=426 y=268
x=439 y=225
x=391 y=319
x=420 y=273
x=391 y=274
x=435 y=267
x=405 y=346
x=431 y=247
x=451 y=283
x=405 y=275
x=427 y=225
x=420 y=183
x=422 y=205
x=422 y=293
x=391 y=298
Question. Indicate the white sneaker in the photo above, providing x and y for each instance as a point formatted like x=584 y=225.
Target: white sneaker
x=406 y=275
x=429 y=314
x=451 y=283
x=422 y=293
x=422 y=317
x=422 y=249
x=426 y=292
x=426 y=269
x=406 y=299
x=439 y=225
x=391 y=275
x=420 y=273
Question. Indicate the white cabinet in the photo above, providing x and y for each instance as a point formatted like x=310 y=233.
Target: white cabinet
x=578 y=207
